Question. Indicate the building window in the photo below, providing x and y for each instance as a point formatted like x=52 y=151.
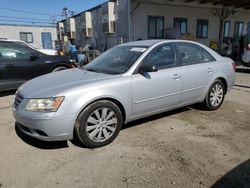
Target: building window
x=238 y=29
x=226 y=31
x=202 y=29
x=181 y=23
x=26 y=37
x=248 y=29
x=155 y=27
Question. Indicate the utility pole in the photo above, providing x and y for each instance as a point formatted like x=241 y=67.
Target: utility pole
x=65 y=12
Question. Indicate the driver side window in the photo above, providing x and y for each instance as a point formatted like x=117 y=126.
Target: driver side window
x=162 y=56
x=10 y=51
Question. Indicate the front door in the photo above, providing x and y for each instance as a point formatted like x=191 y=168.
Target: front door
x=2 y=73
x=15 y=64
x=159 y=90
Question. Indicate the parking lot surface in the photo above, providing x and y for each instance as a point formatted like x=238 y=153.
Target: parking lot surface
x=187 y=147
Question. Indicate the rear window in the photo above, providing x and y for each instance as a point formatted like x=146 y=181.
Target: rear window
x=193 y=54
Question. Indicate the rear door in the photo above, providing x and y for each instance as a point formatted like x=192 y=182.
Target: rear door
x=197 y=69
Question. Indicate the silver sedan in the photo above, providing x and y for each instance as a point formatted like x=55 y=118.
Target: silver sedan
x=128 y=82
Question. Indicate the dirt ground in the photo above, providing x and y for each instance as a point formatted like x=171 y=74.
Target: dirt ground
x=182 y=148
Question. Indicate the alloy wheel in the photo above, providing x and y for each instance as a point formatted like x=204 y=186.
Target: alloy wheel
x=101 y=124
x=216 y=95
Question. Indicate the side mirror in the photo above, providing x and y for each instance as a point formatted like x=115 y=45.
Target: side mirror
x=147 y=68
x=34 y=56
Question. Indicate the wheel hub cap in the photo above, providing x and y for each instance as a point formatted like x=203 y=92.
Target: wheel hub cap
x=101 y=124
x=216 y=95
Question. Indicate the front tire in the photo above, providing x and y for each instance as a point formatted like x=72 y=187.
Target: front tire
x=215 y=96
x=99 y=124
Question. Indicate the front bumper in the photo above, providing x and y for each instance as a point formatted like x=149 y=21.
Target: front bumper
x=50 y=127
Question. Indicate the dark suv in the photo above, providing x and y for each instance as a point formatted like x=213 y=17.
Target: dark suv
x=19 y=63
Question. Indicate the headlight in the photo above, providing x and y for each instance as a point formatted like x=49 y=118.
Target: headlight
x=44 y=105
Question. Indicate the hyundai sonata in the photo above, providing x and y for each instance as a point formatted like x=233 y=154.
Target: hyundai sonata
x=128 y=82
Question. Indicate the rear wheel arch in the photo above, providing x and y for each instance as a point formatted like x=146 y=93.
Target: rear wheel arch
x=207 y=104
x=224 y=81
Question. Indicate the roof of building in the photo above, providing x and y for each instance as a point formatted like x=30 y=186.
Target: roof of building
x=89 y=10
x=225 y=3
x=235 y=4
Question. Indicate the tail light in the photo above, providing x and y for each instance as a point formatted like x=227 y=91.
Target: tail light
x=234 y=66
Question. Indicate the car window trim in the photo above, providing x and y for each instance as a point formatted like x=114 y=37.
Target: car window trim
x=190 y=44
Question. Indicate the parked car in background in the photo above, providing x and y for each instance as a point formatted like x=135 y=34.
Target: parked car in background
x=128 y=82
x=20 y=63
x=45 y=51
x=245 y=59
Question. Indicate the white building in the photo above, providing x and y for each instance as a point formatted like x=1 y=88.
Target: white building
x=37 y=36
x=118 y=21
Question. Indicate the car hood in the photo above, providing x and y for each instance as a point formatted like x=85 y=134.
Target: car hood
x=54 y=84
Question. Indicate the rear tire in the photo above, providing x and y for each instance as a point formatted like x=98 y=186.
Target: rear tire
x=59 y=69
x=215 y=96
x=99 y=124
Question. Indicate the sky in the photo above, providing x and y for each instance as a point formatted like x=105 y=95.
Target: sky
x=40 y=11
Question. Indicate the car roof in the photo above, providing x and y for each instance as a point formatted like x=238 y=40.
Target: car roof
x=10 y=40
x=148 y=43
x=142 y=42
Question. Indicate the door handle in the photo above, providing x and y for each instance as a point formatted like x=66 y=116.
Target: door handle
x=176 y=76
x=210 y=70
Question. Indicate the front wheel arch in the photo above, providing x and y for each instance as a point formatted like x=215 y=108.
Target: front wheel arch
x=67 y=66
x=118 y=103
x=81 y=136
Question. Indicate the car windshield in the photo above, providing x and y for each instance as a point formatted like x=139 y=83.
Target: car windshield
x=117 y=60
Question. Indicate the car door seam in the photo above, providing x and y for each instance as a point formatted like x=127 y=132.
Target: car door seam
x=163 y=96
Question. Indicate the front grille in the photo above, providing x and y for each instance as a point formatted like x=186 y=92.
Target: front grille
x=18 y=99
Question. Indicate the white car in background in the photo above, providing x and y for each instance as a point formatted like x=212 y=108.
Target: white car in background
x=245 y=59
x=45 y=51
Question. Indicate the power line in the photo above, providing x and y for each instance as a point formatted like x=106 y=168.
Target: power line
x=25 y=21
x=27 y=12
x=22 y=18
